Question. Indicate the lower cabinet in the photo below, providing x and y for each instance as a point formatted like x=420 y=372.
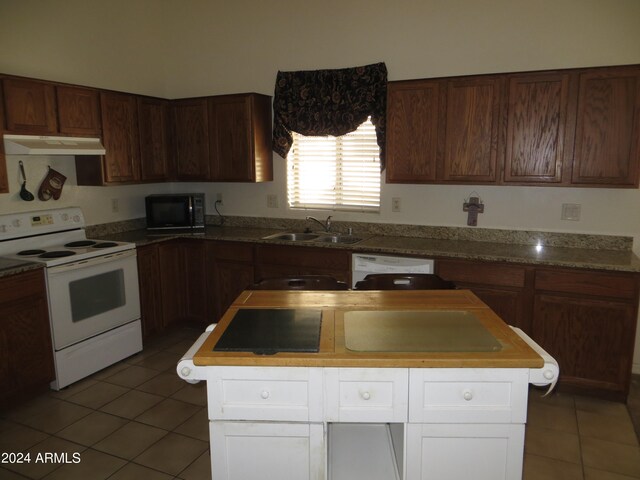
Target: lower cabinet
x=229 y=273
x=279 y=260
x=150 y=290
x=259 y=450
x=501 y=287
x=26 y=354
x=361 y=423
x=587 y=322
x=456 y=451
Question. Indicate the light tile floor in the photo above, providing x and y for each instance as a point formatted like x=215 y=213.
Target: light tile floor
x=137 y=419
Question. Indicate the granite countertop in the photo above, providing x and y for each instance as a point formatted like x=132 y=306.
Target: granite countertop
x=587 y=258
x=611 y=254
x=11 y=267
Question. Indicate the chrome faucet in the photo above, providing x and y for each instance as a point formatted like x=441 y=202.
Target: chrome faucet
x=326 y=225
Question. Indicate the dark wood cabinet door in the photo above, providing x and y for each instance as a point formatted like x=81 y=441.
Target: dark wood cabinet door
x=191 y=139
x=26 y=354
x=150 y=289
x=592 y=340
x=230 y=271
x=195 y=280
x=607 y=150
x=414 y=129
x=78 y=111
x=172 y=285
x=4 y=177
x=538 y=128
x=30 y=106
x=230 y=138
x=472 y=127
x=280 y=261
x=240 y=138
x=120 y=136
x=153 y=127
x=587 y=322
x=502 y=287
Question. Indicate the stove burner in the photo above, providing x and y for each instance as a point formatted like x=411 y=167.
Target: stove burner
x=105 y=245
x=57 y=254
x=30 y=252
x=80 y=243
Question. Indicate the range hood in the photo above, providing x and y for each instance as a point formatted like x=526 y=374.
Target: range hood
x=38 y=145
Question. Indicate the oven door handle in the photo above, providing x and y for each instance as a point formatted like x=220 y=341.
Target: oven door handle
x=90 y=262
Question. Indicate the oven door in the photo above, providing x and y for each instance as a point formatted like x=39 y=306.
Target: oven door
x=92 y=296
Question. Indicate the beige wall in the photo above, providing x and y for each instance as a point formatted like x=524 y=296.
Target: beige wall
x=177 y=48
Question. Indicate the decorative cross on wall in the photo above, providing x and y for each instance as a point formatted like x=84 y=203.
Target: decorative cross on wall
x=473 y=206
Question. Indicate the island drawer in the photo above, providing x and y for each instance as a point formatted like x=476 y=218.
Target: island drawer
x=264 y=393
x=366 y=395
x=451 y=395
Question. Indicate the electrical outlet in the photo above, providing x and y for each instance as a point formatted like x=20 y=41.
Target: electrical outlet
x=219 y=199
x=395 y=204
x=571 y=211
x=272 y=201
x=115 y=205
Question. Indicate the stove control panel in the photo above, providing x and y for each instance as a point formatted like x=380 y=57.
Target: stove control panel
x=26 y=224
x=41 y=220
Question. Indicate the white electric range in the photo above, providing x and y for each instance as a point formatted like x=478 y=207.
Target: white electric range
x=92 y=288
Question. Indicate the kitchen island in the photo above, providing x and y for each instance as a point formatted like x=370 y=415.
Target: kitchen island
x=346 y=405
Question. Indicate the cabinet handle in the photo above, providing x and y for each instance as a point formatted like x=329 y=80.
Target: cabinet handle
x=467 y=395
x=365 y=395
x=264 y=394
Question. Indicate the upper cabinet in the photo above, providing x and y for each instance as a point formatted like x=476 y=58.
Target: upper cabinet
x=30 y=106
x=414 y=124
x=240 y=138
x=471 y=129
x=120 y=137
x=566 y=128
x=538 y=134
x=608 y=127
x=191 y=142
x=226 y=138
x=34 y=107
x=153 y=129
x=79 y=111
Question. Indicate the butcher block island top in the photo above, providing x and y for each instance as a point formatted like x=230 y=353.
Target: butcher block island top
x=382 y=329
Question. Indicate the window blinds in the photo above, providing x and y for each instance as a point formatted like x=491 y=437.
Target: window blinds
x=335 y=173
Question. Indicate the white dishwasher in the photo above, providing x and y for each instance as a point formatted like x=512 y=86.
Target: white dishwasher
x=362 y=264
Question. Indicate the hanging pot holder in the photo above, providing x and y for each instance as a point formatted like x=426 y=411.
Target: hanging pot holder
x=51 y=186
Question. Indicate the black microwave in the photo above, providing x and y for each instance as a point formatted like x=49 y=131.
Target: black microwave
x=175 y=211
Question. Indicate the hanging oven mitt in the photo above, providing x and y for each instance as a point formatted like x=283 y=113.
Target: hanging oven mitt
x=51 y=186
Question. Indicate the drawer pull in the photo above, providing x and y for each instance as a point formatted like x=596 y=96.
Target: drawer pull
x=365 y=395
x=264 y=394
x=467 y=395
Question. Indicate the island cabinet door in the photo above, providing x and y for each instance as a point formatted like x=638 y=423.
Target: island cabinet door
x=261 y=450
x=458 y=451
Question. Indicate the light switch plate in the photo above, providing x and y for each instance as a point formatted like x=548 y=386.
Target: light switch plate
x=571 y=211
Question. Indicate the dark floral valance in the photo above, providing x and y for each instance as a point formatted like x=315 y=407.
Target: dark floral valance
x=329 y=102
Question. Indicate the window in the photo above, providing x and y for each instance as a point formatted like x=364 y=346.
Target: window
x=335 y=173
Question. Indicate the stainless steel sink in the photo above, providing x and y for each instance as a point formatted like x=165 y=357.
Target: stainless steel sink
x=293 y=237
x=338 y=239
x=313 y=237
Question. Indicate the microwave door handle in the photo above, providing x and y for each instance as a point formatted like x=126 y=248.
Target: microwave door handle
x=191 y=218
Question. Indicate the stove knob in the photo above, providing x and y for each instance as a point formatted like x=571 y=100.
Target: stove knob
x=65 y=217
x=3 y=229
x=17 y=222
x=76 y=218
